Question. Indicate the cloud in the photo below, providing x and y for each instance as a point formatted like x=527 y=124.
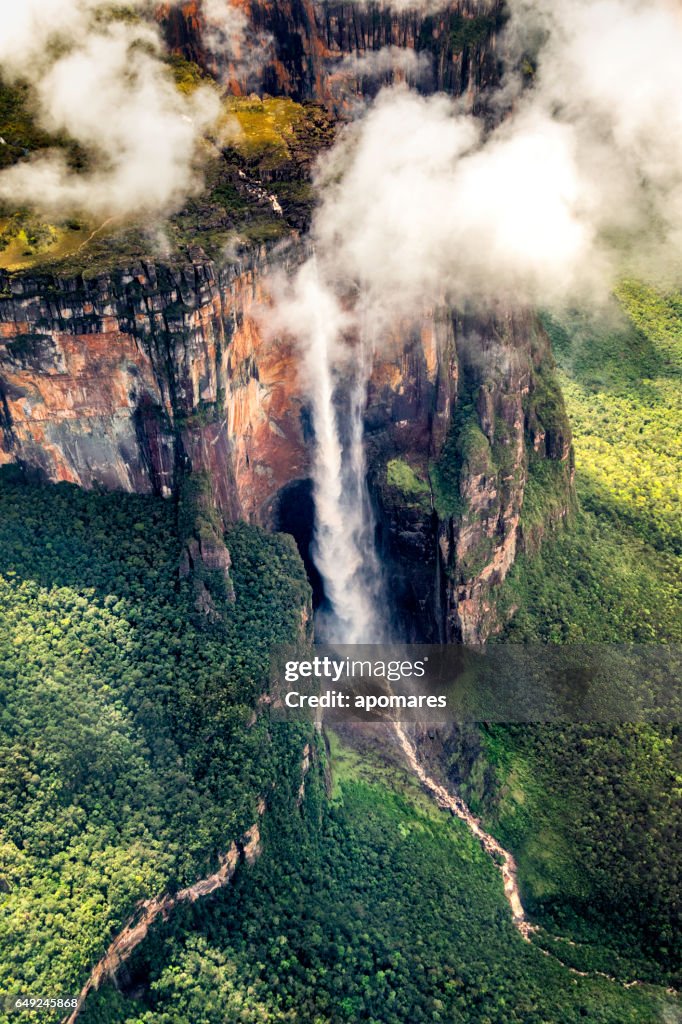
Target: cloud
x=425 y=205
x=104 y=84
x=395 y=61
x=418 y=203
x=581 y=182
x=612 y=70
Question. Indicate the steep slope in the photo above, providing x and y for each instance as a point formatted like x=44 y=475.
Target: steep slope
x=133 y=379
x=452 y=471
x=123 y=371
x=303 y=46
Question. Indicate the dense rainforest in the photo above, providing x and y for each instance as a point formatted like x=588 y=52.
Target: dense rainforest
x=131 y=755
x=136 y=748
x=594 y=817
x=368 y=903
x=372 y=907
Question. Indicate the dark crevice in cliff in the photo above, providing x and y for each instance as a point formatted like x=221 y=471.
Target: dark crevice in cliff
x=6 y=420
x=414 y=586
x=407 y=544
x=294 y=513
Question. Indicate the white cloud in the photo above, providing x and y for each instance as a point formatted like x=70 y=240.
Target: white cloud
x=397 y=61
x=422 y=204
x=237 y=50
x=580 y=182
x=105 y=85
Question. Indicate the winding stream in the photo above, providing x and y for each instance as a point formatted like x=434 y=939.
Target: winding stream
x=502 y=858
x=137 y=927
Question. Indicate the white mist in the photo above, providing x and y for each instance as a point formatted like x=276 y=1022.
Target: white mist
x=343 y=549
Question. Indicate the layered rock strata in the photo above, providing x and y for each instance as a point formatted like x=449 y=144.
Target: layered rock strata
x=139 y=378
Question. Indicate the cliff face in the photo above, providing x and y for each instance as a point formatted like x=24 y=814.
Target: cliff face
x=511 y=427
x=127 y=380
x=302 y=45
x=457 y=427
x=141 y=378
x=135 y=379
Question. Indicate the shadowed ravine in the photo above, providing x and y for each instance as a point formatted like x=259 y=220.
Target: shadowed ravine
x=137 y=927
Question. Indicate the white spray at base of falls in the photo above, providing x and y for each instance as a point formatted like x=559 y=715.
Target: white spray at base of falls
x=343 y=549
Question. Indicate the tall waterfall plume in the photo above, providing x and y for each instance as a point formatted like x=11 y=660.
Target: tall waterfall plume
x=343 y=548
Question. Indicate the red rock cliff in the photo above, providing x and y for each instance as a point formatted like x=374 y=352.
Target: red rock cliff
x=123 y=381
x=132 y=379
x=307 y=42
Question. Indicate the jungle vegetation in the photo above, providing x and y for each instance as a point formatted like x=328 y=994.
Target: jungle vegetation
x=130 y=755
x=593 y=816
x=372 y=907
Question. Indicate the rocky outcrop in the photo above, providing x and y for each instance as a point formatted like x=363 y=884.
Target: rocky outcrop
x=137 y=380
x=140 y=379
x=303 y=44
x=205 y=558
x=512 y=426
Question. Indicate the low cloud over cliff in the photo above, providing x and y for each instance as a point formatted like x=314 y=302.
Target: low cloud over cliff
x=103 y=83
x=580 y=181
x=235 y=49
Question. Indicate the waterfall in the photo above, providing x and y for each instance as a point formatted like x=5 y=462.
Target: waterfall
x=343 y=548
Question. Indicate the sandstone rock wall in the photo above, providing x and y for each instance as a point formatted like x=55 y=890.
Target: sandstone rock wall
x=454 y=437
x=135 y=379
x=308 y=42
x=125 y=381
